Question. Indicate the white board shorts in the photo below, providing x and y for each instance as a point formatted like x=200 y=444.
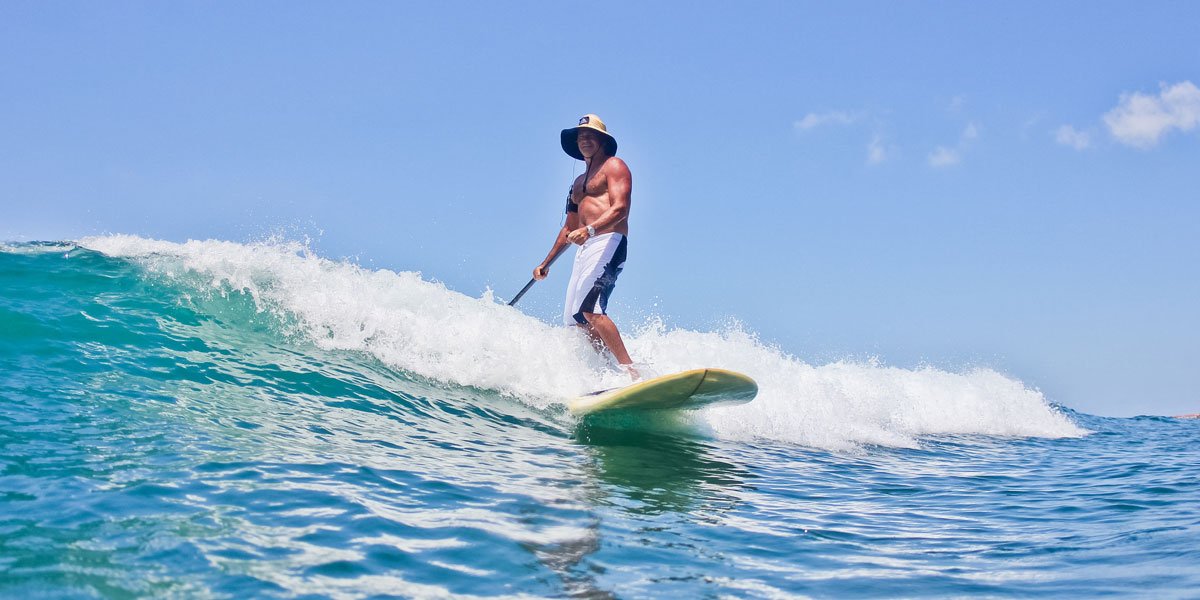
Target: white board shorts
x=598 y=262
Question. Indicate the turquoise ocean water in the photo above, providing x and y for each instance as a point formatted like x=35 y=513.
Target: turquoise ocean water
x=223 y=420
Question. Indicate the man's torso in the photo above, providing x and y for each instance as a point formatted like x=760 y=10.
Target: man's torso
x=593 y=199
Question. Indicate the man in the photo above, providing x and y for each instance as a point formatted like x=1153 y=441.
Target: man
x=597 y=221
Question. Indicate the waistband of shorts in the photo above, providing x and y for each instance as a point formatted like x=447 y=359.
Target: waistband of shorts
x=601 y=237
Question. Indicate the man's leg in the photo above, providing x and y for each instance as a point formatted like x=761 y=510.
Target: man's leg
x=603 y=327
x=593 y=339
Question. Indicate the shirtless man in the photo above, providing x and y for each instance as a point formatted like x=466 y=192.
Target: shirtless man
x=598 y=221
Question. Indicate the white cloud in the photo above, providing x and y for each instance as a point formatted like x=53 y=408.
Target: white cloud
x=837 y=117
x=876 y=151
x=948 y=157
x=1140 y=120
x=1030 y=123
x=970 y=132
x=1069 y=136
x=944 y=157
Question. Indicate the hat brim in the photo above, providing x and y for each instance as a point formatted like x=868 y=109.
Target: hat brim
x=570 y=142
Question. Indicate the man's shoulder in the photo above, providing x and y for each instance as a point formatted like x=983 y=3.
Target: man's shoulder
x=614 y=163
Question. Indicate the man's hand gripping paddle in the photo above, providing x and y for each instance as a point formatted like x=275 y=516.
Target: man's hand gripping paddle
x=513 y=302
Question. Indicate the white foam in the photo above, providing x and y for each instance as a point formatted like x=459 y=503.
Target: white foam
x=846 y=404
x=427 y=329
x=36 y=248
x=400 y=318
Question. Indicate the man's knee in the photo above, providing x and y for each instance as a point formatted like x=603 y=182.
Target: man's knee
x=592 y=318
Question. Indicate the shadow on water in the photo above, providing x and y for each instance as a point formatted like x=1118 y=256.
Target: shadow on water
x=564 y=558
x=651 y=463
x=642 y=466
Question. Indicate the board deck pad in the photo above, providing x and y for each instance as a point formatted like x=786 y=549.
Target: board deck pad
x=697 y=388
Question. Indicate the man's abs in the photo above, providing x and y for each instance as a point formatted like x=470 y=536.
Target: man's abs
x=591 y=208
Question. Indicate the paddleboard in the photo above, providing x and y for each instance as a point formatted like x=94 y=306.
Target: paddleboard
x=698 y=388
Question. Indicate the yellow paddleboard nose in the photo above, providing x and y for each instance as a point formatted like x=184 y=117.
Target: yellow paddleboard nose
x=689 y=390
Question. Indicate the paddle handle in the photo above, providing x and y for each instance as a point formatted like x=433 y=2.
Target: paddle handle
x=560 y=252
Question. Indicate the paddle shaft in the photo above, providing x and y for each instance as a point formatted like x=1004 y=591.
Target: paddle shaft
x=513 y=302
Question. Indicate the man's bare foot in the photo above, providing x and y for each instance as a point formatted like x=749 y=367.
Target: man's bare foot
x=632 y=372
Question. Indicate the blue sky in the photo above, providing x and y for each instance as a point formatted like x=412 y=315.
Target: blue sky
x=1009 y=184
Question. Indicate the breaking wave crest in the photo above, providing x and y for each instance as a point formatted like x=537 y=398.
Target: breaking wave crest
x=423 y=328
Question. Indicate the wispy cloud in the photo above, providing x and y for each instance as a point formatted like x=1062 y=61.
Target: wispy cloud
x=970 y=133
x=1031 y=123
x=877 y=151
x=944 y=156
x=1141 y=120
x=837 y=117
x=1069 y=136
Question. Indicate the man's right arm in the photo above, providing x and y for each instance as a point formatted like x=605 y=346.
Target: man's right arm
x=560 y=243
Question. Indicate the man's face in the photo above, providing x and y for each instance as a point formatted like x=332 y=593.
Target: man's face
x=589 y=142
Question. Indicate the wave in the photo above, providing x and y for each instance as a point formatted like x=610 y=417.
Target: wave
x=34 y=248
x=423 y=328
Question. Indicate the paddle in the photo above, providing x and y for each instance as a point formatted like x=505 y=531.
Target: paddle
x=513 y=302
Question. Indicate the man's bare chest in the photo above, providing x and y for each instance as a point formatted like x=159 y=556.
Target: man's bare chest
x=596 y=186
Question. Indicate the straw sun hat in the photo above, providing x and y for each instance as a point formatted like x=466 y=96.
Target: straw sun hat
x=570 y=137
